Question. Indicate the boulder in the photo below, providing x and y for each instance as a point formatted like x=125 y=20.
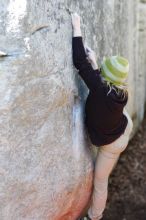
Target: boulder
x=46 y=157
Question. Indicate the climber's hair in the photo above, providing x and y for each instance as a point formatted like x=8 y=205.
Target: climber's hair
x=124 y=89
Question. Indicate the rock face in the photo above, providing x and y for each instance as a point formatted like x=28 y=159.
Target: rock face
x=46 y=164
x=142 y=56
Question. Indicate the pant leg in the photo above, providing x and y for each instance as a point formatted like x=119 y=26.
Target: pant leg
x=105 y=163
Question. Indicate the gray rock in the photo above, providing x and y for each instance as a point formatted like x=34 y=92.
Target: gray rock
x=46 y=159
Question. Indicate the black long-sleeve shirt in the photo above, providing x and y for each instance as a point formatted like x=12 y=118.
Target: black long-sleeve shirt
x=104 y=116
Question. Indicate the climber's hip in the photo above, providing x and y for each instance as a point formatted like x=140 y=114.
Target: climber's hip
x=121 y=143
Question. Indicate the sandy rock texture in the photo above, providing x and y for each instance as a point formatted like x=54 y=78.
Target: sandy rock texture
x=46 y=164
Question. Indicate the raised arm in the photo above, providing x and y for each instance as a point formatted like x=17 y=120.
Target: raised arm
x=89 y=74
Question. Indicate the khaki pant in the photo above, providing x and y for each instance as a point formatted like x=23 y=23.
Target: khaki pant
x=105 y=162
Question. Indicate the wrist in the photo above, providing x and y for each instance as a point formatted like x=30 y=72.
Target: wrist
x=77 y=32
x=95 y=66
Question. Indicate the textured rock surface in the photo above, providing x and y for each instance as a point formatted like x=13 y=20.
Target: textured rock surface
x=45 y=166
x=142 y=49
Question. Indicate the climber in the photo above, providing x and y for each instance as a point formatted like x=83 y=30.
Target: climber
x=107 y=121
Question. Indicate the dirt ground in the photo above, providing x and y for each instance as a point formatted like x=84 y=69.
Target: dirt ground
x=127 y=184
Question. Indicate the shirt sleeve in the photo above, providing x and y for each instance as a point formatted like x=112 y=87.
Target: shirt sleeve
x=90 y=76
